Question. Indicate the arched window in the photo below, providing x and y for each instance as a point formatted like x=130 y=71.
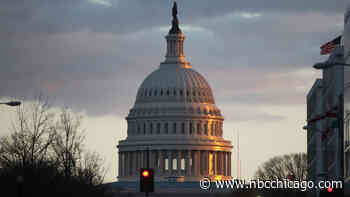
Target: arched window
x=167 y=92
x=174 y=127
x=183 y=128
x=166 y=128
x=158 y=128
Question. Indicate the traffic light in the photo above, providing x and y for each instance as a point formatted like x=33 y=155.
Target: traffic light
x=146 y=180
x=335 y=192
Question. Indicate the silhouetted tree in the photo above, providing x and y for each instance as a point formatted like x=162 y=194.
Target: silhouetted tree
x=46 y=147
x=281 y=167
x=31 y=135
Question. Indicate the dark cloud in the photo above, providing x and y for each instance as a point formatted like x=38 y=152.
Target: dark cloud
x=123 y=16
x=94 y=57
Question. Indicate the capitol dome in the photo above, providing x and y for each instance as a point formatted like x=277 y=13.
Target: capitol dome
x=175 y=83
x=175 y=120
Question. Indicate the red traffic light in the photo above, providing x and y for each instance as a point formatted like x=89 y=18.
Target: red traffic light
x=146 y=180
x=145 y=173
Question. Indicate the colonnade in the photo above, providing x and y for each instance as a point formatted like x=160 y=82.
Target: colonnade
x=176 y=162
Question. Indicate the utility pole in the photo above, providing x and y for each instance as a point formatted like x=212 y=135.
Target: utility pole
x=147 y=164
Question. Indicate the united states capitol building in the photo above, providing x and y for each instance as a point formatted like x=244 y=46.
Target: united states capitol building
x=175 y=118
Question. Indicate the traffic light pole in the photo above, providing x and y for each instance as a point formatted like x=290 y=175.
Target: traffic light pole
x=341 y=136
x=147 y=163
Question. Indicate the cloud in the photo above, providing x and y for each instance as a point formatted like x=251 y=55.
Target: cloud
x=101 y=2
x=93 y=55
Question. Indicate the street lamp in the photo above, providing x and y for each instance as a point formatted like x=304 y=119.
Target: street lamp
x=323 y=65
x=11 y=103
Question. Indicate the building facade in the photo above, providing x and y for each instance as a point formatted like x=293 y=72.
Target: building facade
x=346 y=40
x=175 y=123
x=315 y=148
x=324 y=116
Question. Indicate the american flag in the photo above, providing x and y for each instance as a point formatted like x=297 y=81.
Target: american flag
x=329 y=46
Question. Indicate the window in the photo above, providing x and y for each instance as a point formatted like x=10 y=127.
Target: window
x=174 y=164
x=174 y=92
x=166 y=128
x=151 y=128
x=216 y=130
x=181 y=92
x=167 y=92
x=166 y=164
x=155 y=92
x=199 y=129
x=138 y=129
x=158 y=128
x=191 y=128
x=174 y=127
x=144 y=128
x=182 y=164
x=183 y=128
x=212 y=129
x=206 y=129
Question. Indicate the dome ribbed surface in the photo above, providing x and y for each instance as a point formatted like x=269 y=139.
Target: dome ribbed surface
x=185 y=84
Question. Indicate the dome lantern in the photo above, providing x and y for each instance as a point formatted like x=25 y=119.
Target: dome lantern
x=175 y=40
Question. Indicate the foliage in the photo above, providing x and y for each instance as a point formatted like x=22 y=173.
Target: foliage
x=46 y=148
x=280 y=167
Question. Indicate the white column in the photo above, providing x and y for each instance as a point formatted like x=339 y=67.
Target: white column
x=161 y=162
x=151 y=159
x=225 y=163
x=127 y=167
x=197 y=162
x=132 y=163
x=206 y=161
x=215 y=163
x=142 y=159
x=119 y=163
x=170 y=162
x=178 y=159
x=229 y=164
x=187 y=163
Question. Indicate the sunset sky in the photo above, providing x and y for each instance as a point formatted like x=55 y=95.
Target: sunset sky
x=92 y=55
